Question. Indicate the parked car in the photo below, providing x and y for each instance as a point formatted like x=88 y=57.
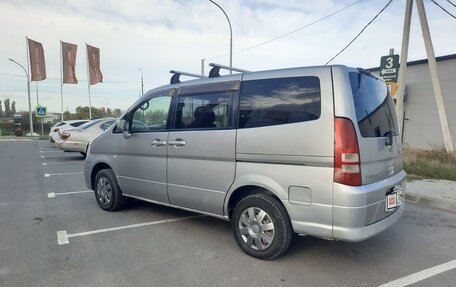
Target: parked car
x=65 y=125
x=312 y=150
x=77 y=139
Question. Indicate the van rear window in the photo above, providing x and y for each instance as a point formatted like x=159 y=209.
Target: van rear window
x=279 y=101
x=374 y=106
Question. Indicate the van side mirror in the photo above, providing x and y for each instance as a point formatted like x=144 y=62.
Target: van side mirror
x=123 y=126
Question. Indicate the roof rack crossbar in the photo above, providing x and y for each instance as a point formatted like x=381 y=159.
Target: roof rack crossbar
x=214 y=72
x=176 y=77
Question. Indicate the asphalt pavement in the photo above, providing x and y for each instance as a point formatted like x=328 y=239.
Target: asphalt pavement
x=43 y=199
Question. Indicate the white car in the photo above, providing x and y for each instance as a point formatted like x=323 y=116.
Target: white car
x=78 y=139
x=65 y=125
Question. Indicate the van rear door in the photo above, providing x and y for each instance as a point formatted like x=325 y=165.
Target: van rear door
x=378 y=137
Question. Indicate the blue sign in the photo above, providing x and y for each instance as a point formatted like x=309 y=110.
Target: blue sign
x=41 y=111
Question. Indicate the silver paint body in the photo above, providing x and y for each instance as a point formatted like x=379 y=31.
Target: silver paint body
x=293 y=161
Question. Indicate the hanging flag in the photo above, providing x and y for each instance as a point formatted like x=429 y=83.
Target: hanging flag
x=93 y=63
x=37 y=64
x=69 y=63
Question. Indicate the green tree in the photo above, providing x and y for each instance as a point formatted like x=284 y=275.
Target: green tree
x=1 y=109
x=67 y=115
x=13 y=108
x=7 y=108
x=117 y=113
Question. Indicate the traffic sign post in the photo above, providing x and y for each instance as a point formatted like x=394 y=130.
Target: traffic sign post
x=41 y=112
x=389 y=67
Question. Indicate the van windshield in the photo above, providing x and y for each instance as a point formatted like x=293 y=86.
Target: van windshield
x=374 y=106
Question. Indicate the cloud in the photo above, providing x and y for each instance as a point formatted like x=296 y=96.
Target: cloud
x=157 y=36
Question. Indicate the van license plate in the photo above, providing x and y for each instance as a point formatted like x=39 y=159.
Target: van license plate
x=393 y=200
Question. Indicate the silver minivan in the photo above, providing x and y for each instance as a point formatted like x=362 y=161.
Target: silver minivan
x=312 y=150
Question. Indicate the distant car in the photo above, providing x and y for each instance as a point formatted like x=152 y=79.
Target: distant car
x=65 y=125
x=78 y=139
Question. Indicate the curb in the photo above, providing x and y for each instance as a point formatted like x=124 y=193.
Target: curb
x=431 y=201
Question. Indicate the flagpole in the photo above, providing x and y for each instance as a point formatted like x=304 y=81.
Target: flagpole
x=88 y=81
x=28 y=85
x=61 y=79
x=38 y=104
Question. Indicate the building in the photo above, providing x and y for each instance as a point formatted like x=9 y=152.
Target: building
x=421 y=119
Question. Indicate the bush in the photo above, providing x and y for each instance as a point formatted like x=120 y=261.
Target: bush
x=435 y=163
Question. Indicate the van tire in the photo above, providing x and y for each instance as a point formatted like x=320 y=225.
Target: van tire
x=280 y=232
x=107 y=192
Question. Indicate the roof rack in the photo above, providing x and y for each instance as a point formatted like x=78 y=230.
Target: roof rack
x=215 y=71
x=175 y=78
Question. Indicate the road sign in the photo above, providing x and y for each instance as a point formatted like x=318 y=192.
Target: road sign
x=392 y=87
x=41 y=111
x=389 y=68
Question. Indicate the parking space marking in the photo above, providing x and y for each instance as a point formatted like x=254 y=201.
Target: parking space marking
x=66 y=173
x=64 y=162
x=49 y=156
x=419 y=276
x=15 y=140
x=63 y=236
x=52 y=150
x=54 y=194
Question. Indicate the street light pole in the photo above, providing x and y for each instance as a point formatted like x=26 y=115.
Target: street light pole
x=231 y=34
x=142 y=83
x=28 y=92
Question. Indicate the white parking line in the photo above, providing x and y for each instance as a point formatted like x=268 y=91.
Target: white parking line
x=63 y=236
x=64 y=162
x=49 y=156
x=56 y=174
x=54 y=194
x=419 y=276
x=55 y=150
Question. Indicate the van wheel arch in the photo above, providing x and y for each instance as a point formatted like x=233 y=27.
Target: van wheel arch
x=245 y=191
x=99 y=166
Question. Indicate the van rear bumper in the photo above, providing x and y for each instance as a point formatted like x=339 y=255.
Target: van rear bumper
x=364 y=232
x=359 y=211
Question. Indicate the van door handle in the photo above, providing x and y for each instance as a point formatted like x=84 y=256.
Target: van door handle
x=177 y=142
x=157 y=143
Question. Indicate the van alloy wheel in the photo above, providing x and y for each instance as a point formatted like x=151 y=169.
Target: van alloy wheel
x=104 y=191
x=107 y=192
x=256 y=228
x=261 y=226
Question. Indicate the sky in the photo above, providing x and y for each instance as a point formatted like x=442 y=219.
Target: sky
x=160 y=35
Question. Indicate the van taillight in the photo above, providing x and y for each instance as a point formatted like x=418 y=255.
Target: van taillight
x=347 y=168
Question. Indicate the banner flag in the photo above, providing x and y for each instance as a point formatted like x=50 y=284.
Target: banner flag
x=93 y=62
x=37 y=63
x=69 y=63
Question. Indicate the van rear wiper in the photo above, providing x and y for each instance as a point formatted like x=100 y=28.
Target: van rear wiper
x=368 y=73
x=389 y=134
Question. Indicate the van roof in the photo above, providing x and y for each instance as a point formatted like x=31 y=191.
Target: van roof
x=235 y=76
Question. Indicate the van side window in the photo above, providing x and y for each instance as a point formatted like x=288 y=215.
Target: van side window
x=279 y=101
x=151 y=115
x=204 y=111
